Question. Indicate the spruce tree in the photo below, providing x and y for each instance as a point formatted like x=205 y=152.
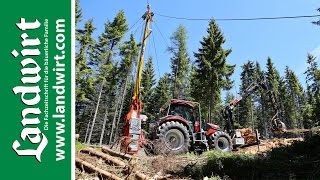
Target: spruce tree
x=313 y=83
x=246 y=106
x=84 y=73
x=273 y=78
x=128 y=52
x=212 y=70
x=78 y=18
x=161 y=94
x=147 y=82
x=262 y=98
x=180 y=64
x=295 y=98
x=106 y=49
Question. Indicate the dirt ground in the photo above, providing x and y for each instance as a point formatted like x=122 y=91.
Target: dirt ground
x=164 y=167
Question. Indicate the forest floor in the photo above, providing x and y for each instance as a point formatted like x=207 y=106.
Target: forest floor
x=267 y=158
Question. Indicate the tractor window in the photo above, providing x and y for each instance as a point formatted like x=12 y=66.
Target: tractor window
x=182 y=111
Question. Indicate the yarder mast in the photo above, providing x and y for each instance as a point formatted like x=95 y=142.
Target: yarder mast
x=134 y=137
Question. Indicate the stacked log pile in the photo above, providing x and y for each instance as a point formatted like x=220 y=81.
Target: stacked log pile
x=248 y=135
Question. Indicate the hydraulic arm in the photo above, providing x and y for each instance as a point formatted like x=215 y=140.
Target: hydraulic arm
x=277 y=125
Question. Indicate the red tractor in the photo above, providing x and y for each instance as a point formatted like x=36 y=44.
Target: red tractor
x=181 y=129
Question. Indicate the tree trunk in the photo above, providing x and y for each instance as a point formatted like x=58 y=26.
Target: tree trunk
x=121 y=106
x=104 y=122
x=117 y=154
x=96 y=111
x=106 y=157
x=114 y=119
x=91 y=168
x=87 y=131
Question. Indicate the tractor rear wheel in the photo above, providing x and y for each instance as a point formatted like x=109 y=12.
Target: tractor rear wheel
x=174 y=138
x=220 y=141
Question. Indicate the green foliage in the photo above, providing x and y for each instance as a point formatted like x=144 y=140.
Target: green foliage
x=246 y=106
x=180 y=64
x=262 y=99
x=108 y=41
x=313 y=89
x=298 y=161
x=161 y=94
x=293 y=100
x=106 y=49
x=113 y=33
x=148 y=82
x=128 y=99
x=78 y=17
x=129 y=52
x=79 y=146
x=273 y=77
x=212 y=72
x=84 y=73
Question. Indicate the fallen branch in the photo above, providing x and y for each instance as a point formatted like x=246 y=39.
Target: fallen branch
x=117 y=154
x=92 y=169
x=105 y=157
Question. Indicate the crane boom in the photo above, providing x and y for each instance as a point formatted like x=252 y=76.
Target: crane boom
x=148 y=18
x=277 y=125
x=133 y=135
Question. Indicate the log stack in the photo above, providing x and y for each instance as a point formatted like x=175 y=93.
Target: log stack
x=248 y=135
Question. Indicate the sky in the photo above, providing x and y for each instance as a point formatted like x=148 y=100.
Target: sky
x=286 y=41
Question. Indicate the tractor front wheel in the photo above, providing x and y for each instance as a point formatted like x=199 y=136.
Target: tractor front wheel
x=174 y=138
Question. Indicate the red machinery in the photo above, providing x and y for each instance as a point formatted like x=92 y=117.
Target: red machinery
x=134 y=136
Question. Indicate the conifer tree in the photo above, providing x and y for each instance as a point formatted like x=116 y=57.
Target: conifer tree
x=313 y=83
x=261 y=98
x=148 y=81
x=294 y=98
x=212 y=70
x=180 y=64
x=161 y=94
x=78 y=18
x=105 y=50
x=84 y=73
x=246 y=106
x=273 y=78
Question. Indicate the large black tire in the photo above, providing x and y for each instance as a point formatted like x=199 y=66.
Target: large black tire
x=174 y=138
x=220 y=141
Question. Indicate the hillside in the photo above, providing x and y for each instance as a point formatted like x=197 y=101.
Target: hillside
x=278 y=159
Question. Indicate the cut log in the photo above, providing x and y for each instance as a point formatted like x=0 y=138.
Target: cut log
x=92 y=169
x=248 y=135
x=104 y=156
x=141 y=176
x=117 y=154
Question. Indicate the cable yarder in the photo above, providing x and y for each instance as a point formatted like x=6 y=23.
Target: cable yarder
x=36 y=89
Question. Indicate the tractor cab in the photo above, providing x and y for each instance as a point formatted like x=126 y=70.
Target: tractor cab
x=188 y=112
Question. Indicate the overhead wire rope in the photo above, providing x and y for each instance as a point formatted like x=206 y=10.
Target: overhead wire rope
x=156 y=54
x=239 y=19
x=120 y=36
x=161 y=34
